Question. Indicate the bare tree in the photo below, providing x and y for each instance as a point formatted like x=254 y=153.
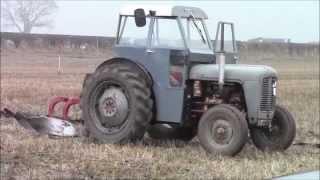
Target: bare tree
x=24 y=15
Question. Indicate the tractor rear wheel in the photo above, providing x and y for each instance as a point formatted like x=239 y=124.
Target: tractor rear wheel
x=280 y=136
x=116 y=104
x=223 y=130
x=171 y=132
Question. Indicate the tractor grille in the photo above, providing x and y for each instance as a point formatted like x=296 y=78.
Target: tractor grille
x=267 y=100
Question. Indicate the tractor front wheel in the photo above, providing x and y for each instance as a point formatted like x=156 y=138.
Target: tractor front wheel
x=281 y=134
x=223 y=130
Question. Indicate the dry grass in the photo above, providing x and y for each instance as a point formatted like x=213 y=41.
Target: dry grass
x=28 y=79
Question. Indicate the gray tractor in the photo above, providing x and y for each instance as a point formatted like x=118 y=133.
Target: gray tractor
x=168 y=79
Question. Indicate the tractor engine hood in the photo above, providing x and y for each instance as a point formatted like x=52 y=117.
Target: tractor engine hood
x=233 y=72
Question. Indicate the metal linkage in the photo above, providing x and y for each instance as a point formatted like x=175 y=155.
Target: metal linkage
x=68 y=102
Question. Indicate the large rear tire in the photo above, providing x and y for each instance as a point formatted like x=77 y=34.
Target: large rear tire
x=223 y=130
x=116 y=104
x=281 y=134
x=171 y=132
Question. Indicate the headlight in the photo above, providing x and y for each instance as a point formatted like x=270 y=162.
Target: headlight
x=274 y=88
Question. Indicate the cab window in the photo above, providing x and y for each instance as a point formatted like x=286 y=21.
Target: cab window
x=166 y=34
x=132 y=35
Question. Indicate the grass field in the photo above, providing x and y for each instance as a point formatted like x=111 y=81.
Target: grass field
x=29 y=78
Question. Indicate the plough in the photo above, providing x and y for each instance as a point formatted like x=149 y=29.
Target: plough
x=50 y=124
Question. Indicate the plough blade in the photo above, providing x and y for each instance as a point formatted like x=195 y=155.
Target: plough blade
x=44 y=124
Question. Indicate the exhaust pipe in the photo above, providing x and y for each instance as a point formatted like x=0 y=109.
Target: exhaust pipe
x=220 y=59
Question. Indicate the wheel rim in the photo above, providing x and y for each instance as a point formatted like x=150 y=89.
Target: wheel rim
x=110 y=107
x=221 y=132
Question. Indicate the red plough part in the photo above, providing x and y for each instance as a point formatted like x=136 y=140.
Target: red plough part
x=68 y=102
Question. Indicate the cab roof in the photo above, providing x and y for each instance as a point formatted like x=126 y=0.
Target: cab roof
x=167 y=11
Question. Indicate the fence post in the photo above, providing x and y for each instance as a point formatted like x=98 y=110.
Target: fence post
x=59 y=56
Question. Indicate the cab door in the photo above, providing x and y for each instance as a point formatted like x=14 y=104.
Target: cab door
x=166 y=60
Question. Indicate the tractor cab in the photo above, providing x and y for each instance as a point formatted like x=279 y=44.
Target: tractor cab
x=178 y=28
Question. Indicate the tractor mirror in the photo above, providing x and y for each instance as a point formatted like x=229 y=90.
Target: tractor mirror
x=140 y=17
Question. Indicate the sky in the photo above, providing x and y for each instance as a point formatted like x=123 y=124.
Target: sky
x=296 y=20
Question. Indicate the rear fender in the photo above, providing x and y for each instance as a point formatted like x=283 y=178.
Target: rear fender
x=138 y=66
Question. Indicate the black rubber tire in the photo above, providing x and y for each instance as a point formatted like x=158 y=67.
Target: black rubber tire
x=287 y=132
x=86 y=78
x=142 y=75
x=139 y=97
x=171 y=132
x=239 y=130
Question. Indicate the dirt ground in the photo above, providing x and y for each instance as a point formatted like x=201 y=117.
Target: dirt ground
x=29 y=78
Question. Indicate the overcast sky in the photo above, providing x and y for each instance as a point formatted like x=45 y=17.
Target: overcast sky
x=297 y=20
